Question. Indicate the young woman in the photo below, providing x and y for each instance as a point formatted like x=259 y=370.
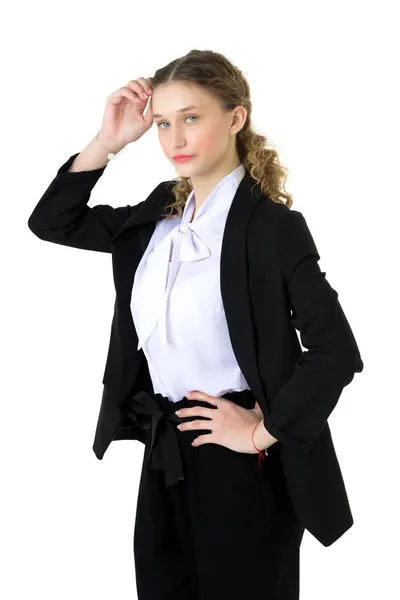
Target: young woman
x=213 y=275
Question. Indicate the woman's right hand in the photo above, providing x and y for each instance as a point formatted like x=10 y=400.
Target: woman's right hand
x=123 y=119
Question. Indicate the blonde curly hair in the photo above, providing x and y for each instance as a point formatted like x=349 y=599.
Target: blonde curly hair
x=218 y=75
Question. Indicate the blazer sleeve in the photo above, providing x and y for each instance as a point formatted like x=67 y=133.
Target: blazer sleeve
x=302 y=405
x=63 y=217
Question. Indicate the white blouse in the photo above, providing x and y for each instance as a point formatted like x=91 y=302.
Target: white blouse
x=176 y=300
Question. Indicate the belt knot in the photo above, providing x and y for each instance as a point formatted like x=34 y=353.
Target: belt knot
x=162 y=445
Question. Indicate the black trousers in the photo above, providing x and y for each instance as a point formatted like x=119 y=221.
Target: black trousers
x=210 y=522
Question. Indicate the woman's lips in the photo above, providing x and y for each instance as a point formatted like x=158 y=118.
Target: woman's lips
x=183 y=158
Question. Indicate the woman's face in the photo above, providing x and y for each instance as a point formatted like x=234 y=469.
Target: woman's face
x=203 y=130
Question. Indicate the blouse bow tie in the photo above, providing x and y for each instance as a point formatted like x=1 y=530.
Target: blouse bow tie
x=191 y=246
x=184 y=245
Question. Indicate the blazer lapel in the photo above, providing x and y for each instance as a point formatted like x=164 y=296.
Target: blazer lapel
x=234 y=286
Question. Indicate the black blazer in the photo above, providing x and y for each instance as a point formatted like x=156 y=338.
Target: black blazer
x=271 y=285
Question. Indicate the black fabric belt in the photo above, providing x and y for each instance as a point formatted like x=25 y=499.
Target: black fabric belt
x=162 y=452
x=155 y=414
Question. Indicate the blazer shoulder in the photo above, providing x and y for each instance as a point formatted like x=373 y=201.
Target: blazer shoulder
x=275 y=212
x=164 y=188
x=160 y=194
x=287 y=227
x=167 y=185
x=274 y=216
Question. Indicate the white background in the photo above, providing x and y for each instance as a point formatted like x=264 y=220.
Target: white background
x=323 y=80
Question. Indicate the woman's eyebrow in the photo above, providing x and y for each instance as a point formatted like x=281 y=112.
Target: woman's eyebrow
x=180 y=110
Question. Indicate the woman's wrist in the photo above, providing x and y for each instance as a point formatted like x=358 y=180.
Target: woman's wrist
x=262 y=438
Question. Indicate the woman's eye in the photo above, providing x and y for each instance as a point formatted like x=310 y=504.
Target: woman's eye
x=189 y=117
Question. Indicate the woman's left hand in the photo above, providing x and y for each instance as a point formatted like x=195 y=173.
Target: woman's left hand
x=231 y=425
